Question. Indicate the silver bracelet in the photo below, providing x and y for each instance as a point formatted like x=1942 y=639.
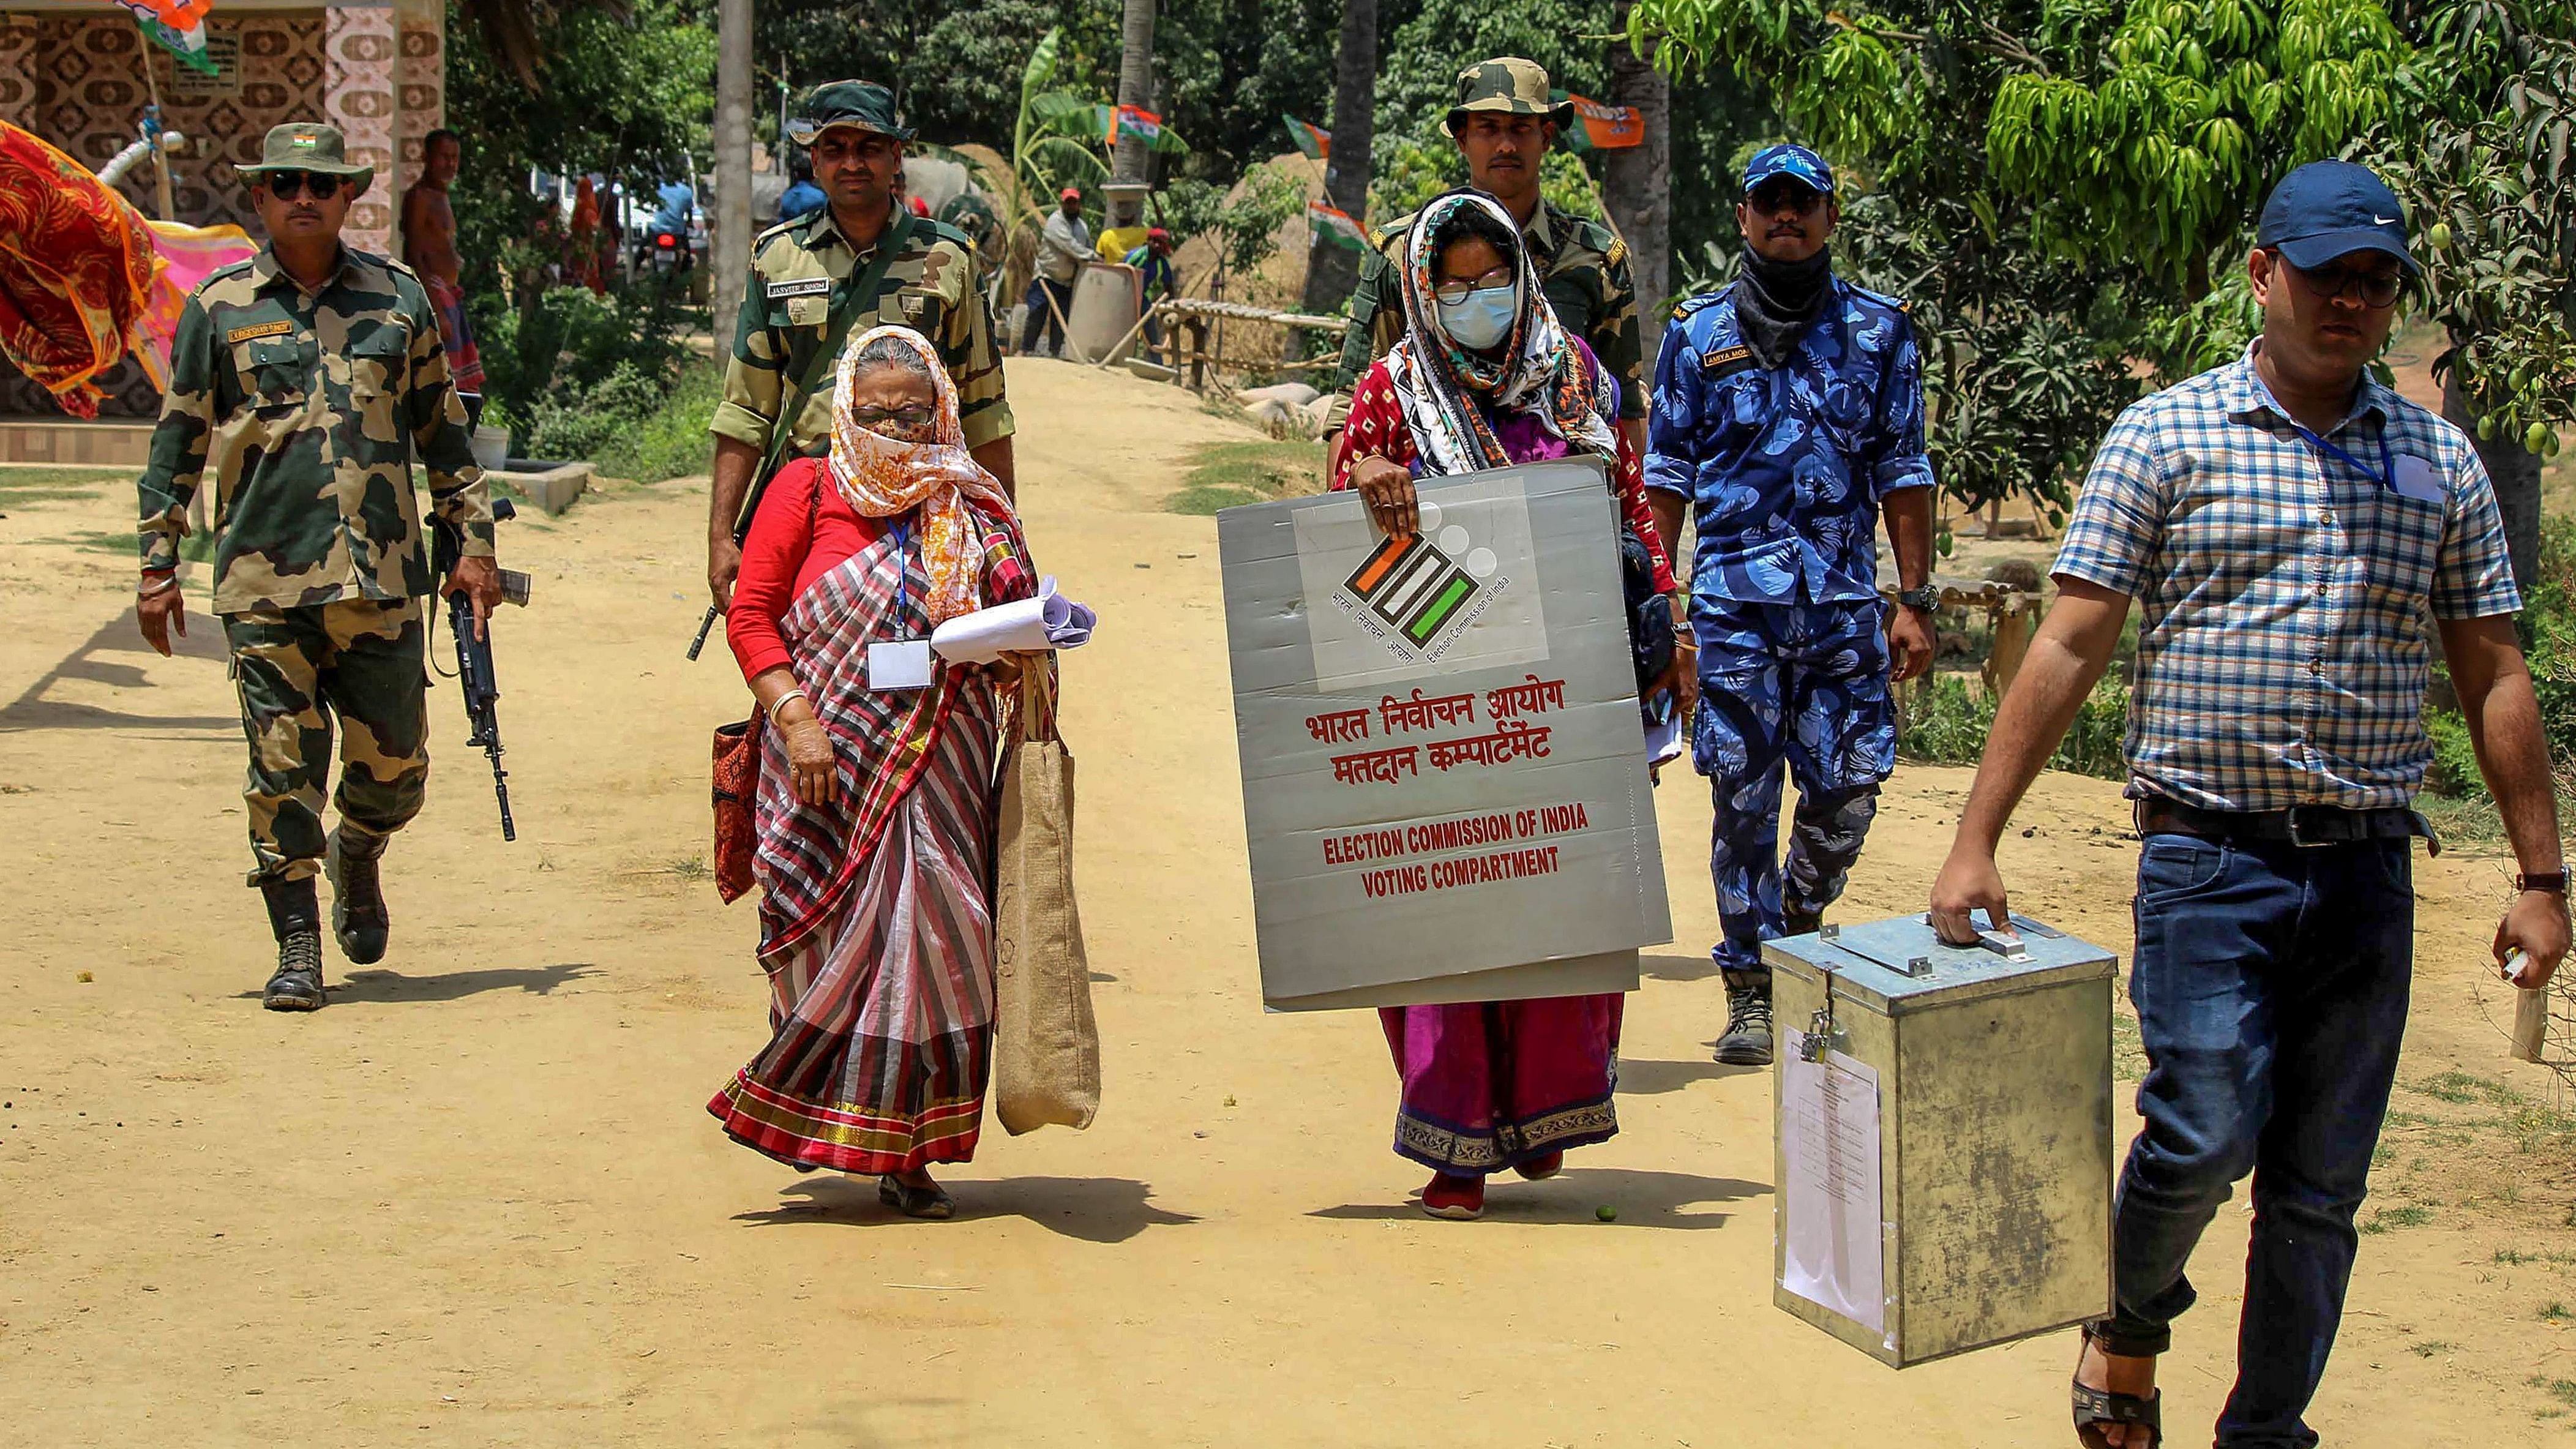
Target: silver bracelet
x=782 y=699
x=155 y=590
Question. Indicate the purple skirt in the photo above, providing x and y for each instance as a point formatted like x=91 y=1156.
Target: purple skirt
x=1491 y=1084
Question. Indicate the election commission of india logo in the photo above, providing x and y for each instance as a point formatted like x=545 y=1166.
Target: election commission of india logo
x=1464 y=591
x=1420 y=588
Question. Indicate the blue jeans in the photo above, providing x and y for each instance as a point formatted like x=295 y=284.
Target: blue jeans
x=2271 y=987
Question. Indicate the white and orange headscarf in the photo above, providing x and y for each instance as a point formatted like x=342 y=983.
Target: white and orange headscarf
x=882 y=477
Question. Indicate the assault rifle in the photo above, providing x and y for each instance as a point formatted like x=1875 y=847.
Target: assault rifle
x=474 y=655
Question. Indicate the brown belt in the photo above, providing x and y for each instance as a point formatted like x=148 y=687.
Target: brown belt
x=2301 y=825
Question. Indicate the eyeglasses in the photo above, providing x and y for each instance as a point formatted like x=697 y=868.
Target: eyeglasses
x=1774 y=197
x=1456 y=290
x=2376 y=289
x=287 y=185
x=911 y=416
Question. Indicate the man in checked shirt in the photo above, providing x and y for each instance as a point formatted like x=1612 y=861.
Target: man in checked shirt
x=2286 y=522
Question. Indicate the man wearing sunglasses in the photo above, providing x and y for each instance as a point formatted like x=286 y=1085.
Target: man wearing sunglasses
x=804 y=300
x=2289 y=525
x=1504 y=122
x=1789 y=418
x=308 y=379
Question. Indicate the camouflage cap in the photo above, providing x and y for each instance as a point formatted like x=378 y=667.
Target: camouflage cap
x=863 y=104
x=309 y=146
x=1508 y=84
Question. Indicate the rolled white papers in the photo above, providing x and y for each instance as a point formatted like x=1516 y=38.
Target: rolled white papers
x=1048 y=621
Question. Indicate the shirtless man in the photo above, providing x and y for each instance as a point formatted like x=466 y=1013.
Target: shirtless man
x=429 y=246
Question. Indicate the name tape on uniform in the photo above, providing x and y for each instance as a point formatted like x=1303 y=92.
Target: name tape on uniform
x=803 y=287
x=257 y=330
x=1726 y=360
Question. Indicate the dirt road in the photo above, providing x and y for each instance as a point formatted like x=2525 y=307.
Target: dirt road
x=477 y=1200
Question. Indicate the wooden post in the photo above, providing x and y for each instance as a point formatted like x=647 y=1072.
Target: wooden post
x=2011 y=622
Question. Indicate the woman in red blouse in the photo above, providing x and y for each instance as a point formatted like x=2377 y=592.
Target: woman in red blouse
x=875 y=812
x=1484 y=378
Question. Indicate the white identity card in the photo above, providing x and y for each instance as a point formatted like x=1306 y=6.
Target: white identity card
x=898 y=664
x=2419 y=480
x=1829 y=1198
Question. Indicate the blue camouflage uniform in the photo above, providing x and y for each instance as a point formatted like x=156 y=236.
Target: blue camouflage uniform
x=1784 y=468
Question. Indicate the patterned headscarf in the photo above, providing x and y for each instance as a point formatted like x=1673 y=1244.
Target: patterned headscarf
x=882 y=477
x=1539 y=371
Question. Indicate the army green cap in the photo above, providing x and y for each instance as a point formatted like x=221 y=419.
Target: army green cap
x=864 y=104
x=1510 y=85
x=309 y=146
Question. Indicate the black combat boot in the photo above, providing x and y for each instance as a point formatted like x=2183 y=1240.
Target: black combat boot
x=1747 y=1042
x=358 y=916
x=1801 y=923
x=297 y=920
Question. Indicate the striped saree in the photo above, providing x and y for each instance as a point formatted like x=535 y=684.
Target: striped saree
x=876 y=912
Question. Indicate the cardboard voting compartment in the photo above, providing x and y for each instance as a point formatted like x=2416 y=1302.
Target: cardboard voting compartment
x=1944 y=1135
x=1444 y=776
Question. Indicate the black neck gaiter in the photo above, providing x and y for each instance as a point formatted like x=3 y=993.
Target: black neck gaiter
x=1775 y=300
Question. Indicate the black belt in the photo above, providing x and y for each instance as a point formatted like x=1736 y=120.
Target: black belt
x=2300 y=825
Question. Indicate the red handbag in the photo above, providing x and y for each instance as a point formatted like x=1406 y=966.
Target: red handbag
x=737 y=782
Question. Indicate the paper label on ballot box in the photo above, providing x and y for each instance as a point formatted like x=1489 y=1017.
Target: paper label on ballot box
x=1444 y=767
x=1829 y=1200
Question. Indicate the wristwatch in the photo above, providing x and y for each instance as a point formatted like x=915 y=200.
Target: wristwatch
x=1926 y=597
x=2552 y=881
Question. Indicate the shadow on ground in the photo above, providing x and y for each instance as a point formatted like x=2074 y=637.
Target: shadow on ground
x=1642 y=1197
x=1677 y=968
x=1093 y=1209
x=1649 y=1078
x=32 y=711
x=379 y=987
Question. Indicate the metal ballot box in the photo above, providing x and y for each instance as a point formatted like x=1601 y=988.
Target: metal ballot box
x=1943 y=1135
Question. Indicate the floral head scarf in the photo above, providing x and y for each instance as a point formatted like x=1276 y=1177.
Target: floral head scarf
x=1539 y=371
x=882 y=477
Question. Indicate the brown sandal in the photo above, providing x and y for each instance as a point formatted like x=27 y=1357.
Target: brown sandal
x=2101 y=1406
x=933 y=1203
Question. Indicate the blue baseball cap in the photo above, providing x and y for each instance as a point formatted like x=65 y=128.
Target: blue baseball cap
x=2328 y=209
x=1795 y=162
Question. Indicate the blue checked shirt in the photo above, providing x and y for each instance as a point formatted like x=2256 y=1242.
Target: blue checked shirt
x=2283 y=648
x=1785 y=466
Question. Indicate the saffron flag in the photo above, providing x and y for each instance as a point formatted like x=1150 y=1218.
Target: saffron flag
x=1603 y=128
x=1336 y=226
x=1315 y=141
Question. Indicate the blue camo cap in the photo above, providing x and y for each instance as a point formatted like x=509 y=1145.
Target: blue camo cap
x=2329 y=209
x=1795 y=162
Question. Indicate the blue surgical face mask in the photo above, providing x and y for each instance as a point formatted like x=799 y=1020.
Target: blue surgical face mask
x=1483 y=318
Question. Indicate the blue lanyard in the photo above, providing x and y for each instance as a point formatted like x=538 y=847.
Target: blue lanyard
x=902 y=572
x=2386 y=477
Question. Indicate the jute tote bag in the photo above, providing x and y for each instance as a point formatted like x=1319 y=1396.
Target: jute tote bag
x=1046 y=1046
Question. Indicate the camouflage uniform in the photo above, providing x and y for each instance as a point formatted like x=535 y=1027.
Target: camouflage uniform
x=309 y=407
x=785 y=320
x=1582 y=265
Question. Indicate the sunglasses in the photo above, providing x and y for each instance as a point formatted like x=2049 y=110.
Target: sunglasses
x=287 y=185
x=912 y=416
x=1774 y=197
x=2376 y=289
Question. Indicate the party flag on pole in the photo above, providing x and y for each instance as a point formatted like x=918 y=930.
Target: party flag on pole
x=1603 y=128
x=1314 y=140
x=1336 y=226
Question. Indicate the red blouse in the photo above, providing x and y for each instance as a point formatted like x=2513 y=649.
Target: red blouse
x=1377 y=429
x=785 y=554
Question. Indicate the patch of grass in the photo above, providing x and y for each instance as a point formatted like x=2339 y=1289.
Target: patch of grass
x=2428 y=1348
x=2556 y=1312
x=1229 y=475
x=1945 y=722
x=2128 y=1053
x=2398 y=1217
x=2461 y=1088
x=2563 y=1390
x=22 y=483
x=690 y=868
x=672 y=441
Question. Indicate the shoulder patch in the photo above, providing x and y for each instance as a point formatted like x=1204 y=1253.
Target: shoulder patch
x=1695 y=303
x=257 y=330
x=1617 y=253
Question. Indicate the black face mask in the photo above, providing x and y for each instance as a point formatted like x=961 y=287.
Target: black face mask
x=1774 y=301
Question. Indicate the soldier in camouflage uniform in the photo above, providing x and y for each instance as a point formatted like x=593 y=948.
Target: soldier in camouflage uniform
x=785 y=338
x=1504 y=123
x=307 y=377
